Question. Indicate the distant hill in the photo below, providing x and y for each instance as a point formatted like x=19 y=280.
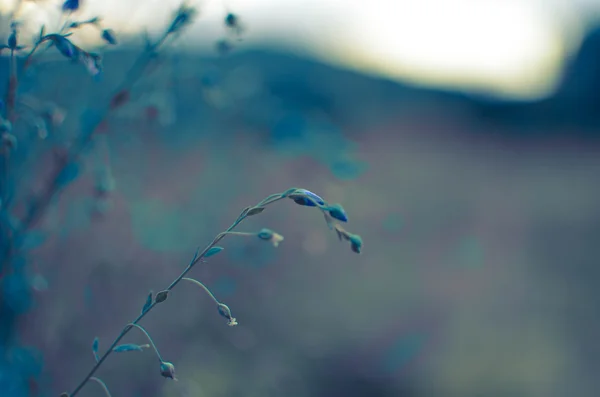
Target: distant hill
x=257 y=86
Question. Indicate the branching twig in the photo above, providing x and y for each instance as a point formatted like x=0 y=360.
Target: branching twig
x=300 y=196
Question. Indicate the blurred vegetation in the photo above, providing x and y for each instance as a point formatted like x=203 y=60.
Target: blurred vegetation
x=480 y=219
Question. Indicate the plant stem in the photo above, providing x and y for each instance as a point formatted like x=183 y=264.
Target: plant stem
x=102 y=384
x=52 y=188
x=241 y=234
x=148 y=337
x=197 y=258
x=198 y=283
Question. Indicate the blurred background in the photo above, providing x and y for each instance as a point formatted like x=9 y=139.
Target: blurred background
x=462 y=137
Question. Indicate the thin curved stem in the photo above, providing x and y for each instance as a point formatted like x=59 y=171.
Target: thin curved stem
x=197 y=258
x=239 y=234
x=198 y=283
x=102 y=384
x=147 y=336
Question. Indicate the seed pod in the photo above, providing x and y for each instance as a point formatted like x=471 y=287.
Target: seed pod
x=161 y=296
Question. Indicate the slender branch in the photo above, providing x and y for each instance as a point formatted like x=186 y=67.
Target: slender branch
x=102 y=384
x=198 y=283
x=12 y=88
x=77 y=147
x=149 y=339
x=197 y=258
x=10 y=117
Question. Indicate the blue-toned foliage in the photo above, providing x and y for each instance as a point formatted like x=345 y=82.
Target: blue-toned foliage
x=213 y=251
x=32 y=239
x=129 y=347
x=337 y=212
x=71 y=5
x=95 y=346
x=68 y=174
x=109 y=36
x=16 y=292
x=148 y=303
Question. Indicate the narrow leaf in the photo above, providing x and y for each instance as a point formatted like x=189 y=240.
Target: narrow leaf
x=255 y=211
x=148 y=303
x=195 y=256
x=95 y=345
x=68 y=174
x=213 y=251
x=130 y=347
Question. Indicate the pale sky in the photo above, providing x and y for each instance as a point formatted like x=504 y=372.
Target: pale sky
x=506 y=47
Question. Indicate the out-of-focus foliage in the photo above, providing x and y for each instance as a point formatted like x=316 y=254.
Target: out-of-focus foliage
x=478 y=277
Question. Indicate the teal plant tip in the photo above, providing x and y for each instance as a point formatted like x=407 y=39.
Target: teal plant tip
x=70 y=5
x=356 y=243
x=184 y=16
x=306 y=198
x=109 y=36
x=337 y=212
x=64 y=46
x=12 y=40
x=231 y=20
x=226 y=312
x=355 y=240
x=167 y=370
x=213 y=251
x=265 y=234
x=269 y=235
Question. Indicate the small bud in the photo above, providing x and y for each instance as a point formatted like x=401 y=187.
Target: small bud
x=356 y=243
x=70 y=5
x=226 y=312
x=182 y=18
x=269 y=235
x=231 y=20
x=109 y=36
x=12 y=40
x=162 y=296
x=167 y=370
x=255 y=211
x=337 y=211
x=265 y=234
x=64 y=46
x=307 y=198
